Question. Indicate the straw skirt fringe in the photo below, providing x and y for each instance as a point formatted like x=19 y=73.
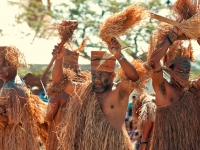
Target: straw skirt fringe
x=88 y=127
x=177 y=126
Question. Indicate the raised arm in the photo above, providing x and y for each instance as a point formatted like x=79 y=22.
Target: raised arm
x=57 y=73
x=115 y=48
x=161 y=49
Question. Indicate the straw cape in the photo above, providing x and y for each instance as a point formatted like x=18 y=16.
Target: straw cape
x=87 y=126
x=180 y=130
x=71 y=72
x=21 y=126
x=177 y=126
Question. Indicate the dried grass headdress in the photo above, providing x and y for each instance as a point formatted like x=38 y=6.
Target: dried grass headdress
x=178 y=53
x=13 y=56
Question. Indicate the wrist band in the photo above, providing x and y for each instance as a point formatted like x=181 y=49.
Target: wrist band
x=121 y=57
x=143 y=142
x=171 y=37
x=168 y=38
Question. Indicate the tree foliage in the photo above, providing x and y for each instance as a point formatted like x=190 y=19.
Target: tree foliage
x=90 y=15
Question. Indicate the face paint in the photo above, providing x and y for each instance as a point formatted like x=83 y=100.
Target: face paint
x=101 y=81
x=4 y=70
x=183 y=70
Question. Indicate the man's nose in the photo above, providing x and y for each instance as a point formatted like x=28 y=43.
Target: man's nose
x=97 y=79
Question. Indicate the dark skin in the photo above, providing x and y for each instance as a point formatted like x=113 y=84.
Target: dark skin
x=56 y=102
x=8 y=74
x=113 y=98
x=166 y=92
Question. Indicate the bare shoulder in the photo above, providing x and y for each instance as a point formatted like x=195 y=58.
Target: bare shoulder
x=64 y=97
x=55 y=99
x=198 y=83
x=123 y=87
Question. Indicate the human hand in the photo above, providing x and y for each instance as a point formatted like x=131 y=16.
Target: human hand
x=115 y=48
x=59 y=54
x=143 y=147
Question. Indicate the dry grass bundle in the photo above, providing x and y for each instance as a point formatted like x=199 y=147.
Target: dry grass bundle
x=187 y=17
x=184 y=9
x=191 y=27
x=13 y=57
x=65 y=30
x=143 y=73
x=120 y=23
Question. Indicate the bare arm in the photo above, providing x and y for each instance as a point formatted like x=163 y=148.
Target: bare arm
x=57 y=74
x=52 y=108
x=115 y=48
x=146 y=134
x=157 y=77
x=146 y=131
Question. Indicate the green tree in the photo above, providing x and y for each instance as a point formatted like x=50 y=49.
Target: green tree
x=89 y=20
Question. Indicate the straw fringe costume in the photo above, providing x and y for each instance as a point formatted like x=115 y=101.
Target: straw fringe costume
x=144 y=109
x=52 y=140
x=88 y=127
x=85 y=121
x=177 y=125
x=20 y=126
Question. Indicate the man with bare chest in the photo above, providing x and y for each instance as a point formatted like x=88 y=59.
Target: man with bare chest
x=98 y=108
x=178 y=100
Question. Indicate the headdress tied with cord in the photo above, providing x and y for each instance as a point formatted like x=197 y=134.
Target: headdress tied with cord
x=102 y=61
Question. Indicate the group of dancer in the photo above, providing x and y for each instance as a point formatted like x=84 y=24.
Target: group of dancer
x=87 y=109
